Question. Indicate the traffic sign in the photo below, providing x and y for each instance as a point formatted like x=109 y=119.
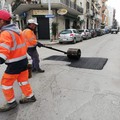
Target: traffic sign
x=49 y=16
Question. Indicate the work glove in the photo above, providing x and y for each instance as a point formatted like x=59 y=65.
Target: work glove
x=2 y=60
x=40 y=44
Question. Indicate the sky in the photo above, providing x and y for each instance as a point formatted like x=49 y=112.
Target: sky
x=115 y=4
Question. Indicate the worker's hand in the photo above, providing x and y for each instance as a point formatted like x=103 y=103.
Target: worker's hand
x=40 y=44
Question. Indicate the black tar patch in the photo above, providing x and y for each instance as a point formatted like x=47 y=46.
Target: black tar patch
x=95 y=63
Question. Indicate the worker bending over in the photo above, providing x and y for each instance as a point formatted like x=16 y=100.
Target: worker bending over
x=32 y=43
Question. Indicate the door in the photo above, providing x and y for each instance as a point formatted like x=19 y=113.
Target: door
x=43 y=27
x=67 y=23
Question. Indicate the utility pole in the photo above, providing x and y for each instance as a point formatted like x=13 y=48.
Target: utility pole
x=49 y=6
x=49 y=13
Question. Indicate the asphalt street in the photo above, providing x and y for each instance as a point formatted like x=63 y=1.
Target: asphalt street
x=67 y=92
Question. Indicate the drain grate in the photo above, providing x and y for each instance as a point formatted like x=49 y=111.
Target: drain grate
x=84 y=62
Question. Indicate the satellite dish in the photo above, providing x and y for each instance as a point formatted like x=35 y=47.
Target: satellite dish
x=62 y=11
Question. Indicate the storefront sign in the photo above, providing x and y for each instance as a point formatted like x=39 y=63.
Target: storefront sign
x=62 y=11
x=40 y=12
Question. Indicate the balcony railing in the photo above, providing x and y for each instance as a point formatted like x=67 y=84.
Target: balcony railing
x=17 y=3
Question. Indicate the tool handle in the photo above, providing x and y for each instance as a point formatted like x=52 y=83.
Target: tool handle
x=54 y=49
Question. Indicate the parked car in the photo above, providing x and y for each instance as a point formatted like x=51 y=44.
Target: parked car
x=93 y=33
x=98 y=31
x=114 y=29
x=85 y=33
x=103 y=31
x=69 y=35
x=107 y=29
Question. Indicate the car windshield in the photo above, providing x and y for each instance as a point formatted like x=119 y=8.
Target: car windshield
x=66 y=32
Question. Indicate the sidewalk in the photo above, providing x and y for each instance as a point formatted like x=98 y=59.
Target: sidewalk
x=48 y=42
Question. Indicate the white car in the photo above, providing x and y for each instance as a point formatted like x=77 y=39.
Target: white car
x=85 y=33
x=69 y=35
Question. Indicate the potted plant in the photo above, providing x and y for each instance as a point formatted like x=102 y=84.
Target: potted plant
x=54 y=30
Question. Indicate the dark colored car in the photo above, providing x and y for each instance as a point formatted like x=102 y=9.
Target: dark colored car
x=93 y=33
x=98 y=31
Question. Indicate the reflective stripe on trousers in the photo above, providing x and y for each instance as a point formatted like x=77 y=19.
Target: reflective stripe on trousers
x=8 y=81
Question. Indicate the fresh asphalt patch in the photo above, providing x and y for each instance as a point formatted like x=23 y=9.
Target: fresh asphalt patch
x=90 y=63
x=95 y=63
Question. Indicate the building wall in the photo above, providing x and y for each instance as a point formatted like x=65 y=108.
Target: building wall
x=61 y=23
x=110 y=15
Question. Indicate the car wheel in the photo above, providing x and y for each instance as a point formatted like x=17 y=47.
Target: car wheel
x=60 y=42
x=86 y=37
x=81 y=39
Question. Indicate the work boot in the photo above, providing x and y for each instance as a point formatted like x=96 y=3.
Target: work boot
x=40 y=71
x=33 y=70
x=8 y=106
x=27 y=100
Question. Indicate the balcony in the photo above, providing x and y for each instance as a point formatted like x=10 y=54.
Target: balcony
x=23 y=5
x=104 y=0
x=94 y=0
x=97 y=7
x=43 y=4
x=104 y=8
x=97 y=17
x=89 y=13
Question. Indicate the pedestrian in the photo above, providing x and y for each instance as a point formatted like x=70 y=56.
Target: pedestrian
x=32 y=43
x=13 y=52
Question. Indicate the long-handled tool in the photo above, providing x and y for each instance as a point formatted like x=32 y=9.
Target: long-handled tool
x=72 y=53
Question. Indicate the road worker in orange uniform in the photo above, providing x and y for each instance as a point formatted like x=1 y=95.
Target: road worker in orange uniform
x=32 y=43
x=13 y=52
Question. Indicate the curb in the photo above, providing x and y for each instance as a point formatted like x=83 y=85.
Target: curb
x=49 y=42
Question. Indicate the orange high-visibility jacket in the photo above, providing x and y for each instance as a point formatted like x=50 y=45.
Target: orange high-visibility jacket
x=12 y=46
x=30 y=38
x=13 y=49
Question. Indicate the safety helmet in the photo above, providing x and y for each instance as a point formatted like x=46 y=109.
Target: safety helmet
x=32 y=21
x=5 y=15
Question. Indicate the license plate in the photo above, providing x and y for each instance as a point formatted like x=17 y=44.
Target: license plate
x=64 y=39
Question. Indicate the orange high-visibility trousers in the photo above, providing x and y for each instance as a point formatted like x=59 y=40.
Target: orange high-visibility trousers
x=8 y=81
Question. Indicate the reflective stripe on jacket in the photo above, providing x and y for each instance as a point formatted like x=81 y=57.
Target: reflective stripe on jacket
x=30 y=38
x=12 y=46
